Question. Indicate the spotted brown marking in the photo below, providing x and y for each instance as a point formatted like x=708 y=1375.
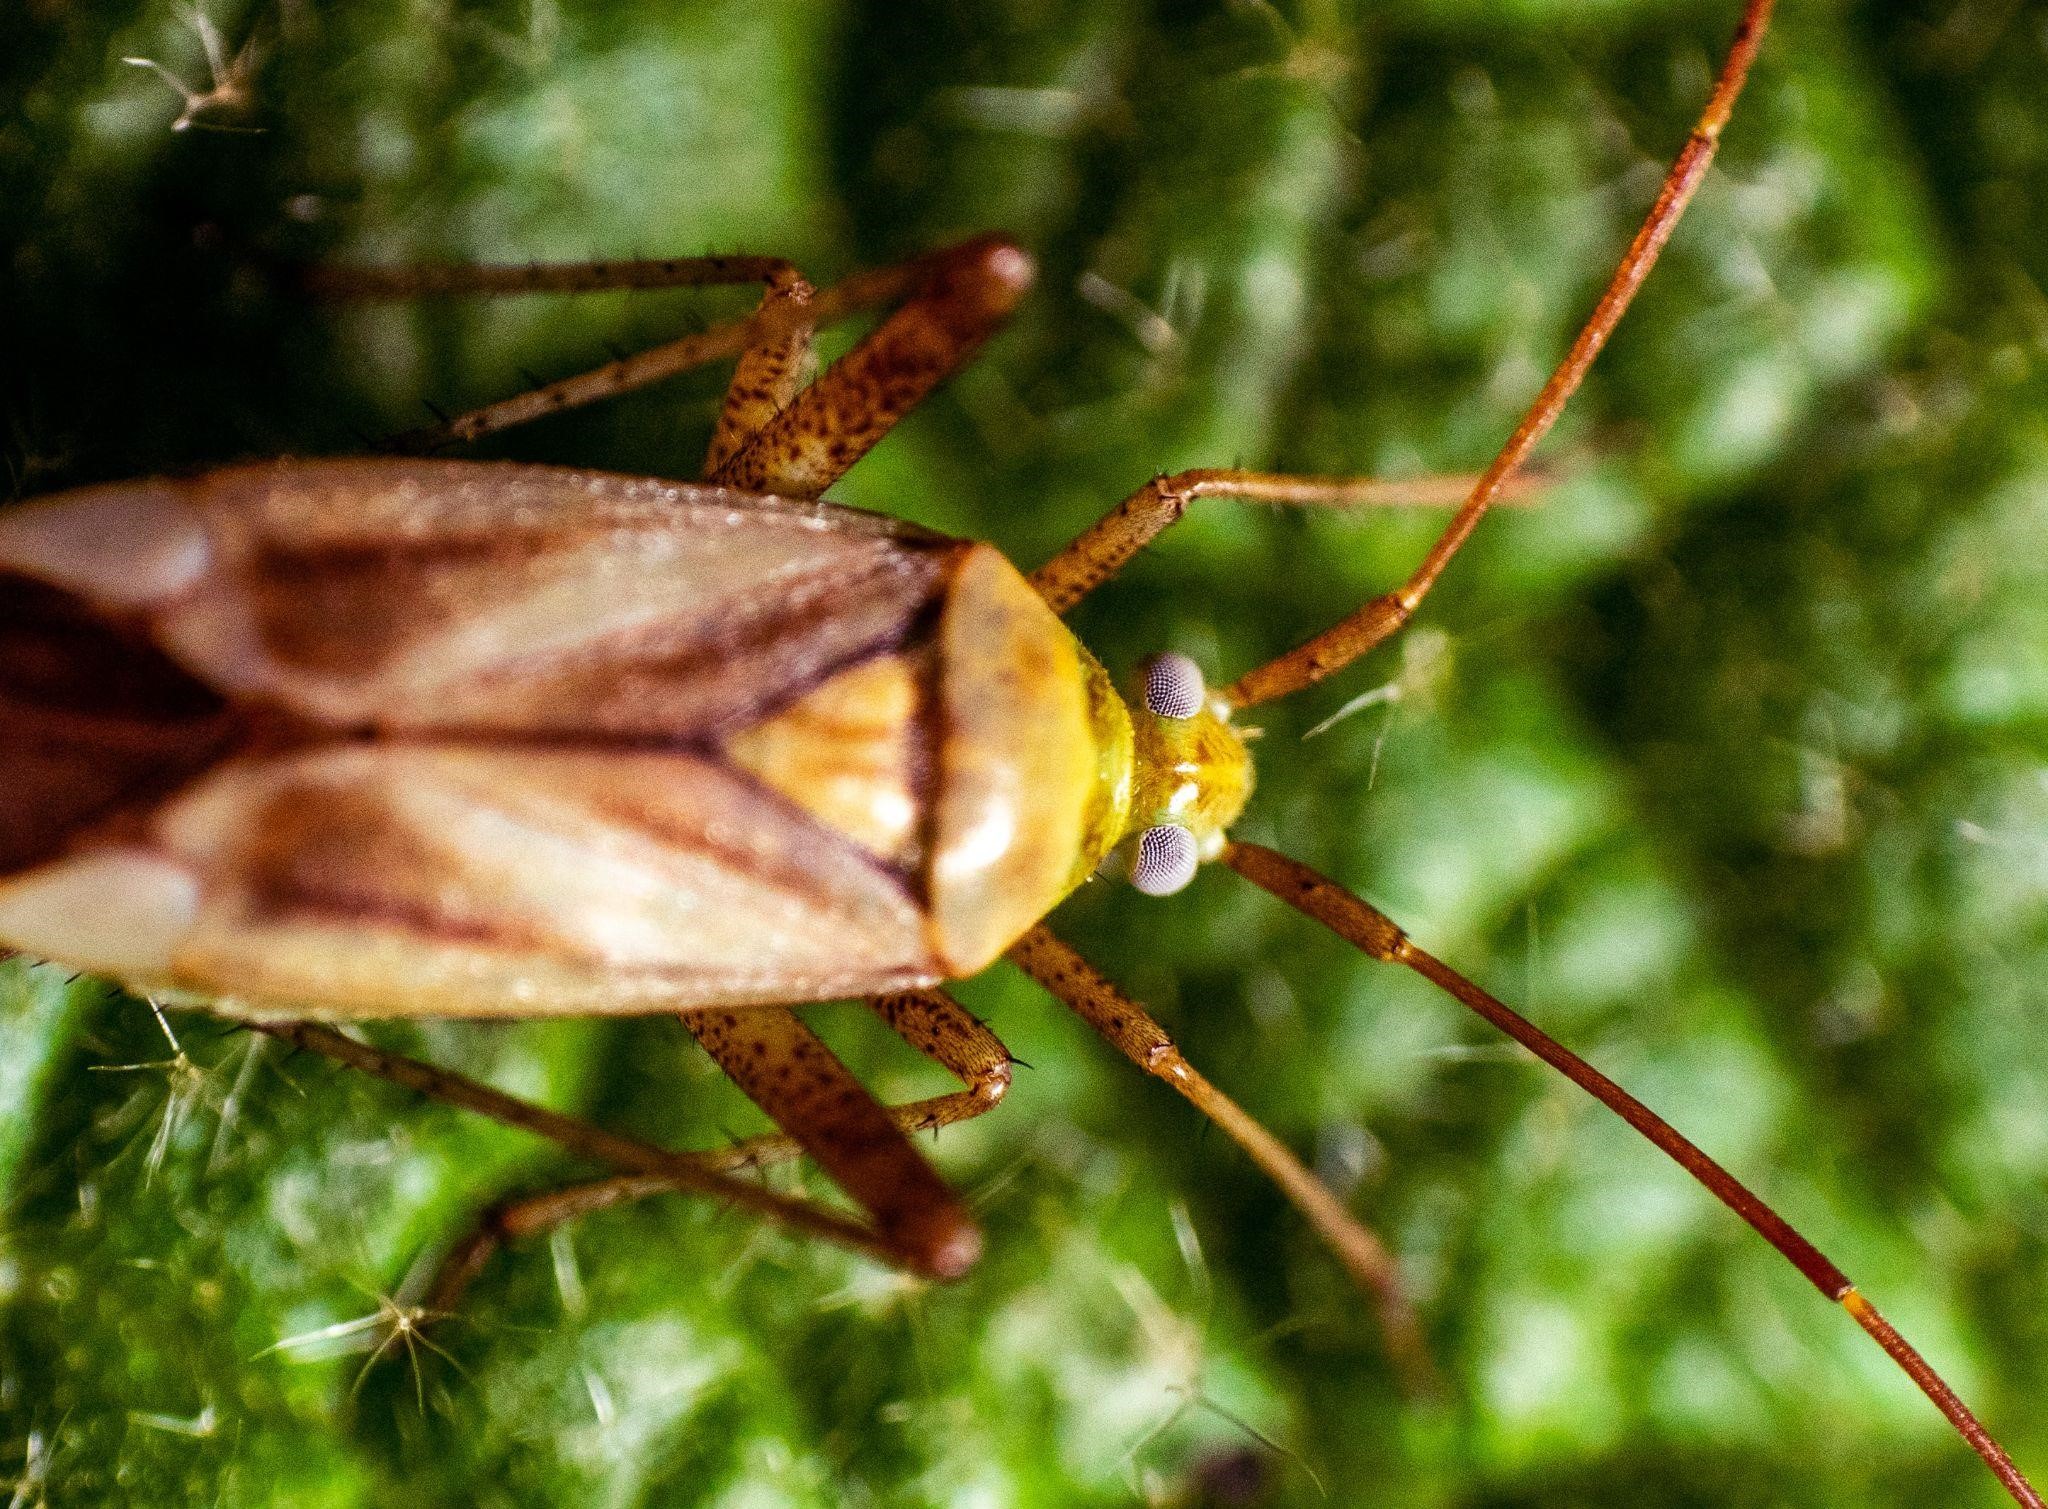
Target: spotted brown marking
x=141 y=548
x=769 y=374
x=967 y=293
x=803 y=1087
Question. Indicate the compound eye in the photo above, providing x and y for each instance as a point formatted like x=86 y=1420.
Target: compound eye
x=1166 y=860
x=1173 y=686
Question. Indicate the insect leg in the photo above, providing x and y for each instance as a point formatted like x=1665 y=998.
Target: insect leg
x=812 y=1096
x=943 y=1030
x=775 y=321
x=356 y=283
x=1131 y=1030
x=929 y=1020
x=769 y=372
x=1374 y=934
x=675 y=1170
x=963 y=294
x=524 y=1216
x=952 y=299
x=1106 y=546
x=1349 y=638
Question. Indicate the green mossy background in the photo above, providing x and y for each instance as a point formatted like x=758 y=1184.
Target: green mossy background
x=1727 y=762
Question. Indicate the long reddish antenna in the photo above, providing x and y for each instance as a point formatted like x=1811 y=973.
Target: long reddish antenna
x=1360 y=923
x=1349 y=638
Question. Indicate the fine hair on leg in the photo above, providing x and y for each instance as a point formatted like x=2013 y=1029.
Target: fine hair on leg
x=927 y=1018
x=952 y=299
x=1132 y=1031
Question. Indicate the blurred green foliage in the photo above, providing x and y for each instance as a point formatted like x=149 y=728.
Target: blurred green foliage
x=1727 y=762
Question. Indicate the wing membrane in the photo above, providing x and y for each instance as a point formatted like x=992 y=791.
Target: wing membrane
x=523 y=599
x=471 y=880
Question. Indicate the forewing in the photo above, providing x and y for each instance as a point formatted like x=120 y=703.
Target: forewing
x=416 y=879
x=413 y=595
x=93 y=721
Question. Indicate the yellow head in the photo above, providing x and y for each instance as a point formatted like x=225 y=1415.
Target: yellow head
x=1191 y=774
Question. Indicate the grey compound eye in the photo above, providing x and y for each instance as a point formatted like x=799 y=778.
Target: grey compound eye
x=1173 y=686
x=1166 y=860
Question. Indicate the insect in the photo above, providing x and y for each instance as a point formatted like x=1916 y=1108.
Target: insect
x=453 y=534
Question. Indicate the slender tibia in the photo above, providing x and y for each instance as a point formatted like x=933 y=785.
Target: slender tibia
x=769 y=373
x=777 y=320
x=786 y=1071
x=1144 y=1042
x=930 y=1020
x=1343 y=642
x=1370 y=930
x=964 y=294
x=1106 y=547
x=351 y=283
x=676 y=1170
x=524 y=1216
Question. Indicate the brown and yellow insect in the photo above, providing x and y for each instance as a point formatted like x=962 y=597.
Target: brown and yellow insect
x=308 y=742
